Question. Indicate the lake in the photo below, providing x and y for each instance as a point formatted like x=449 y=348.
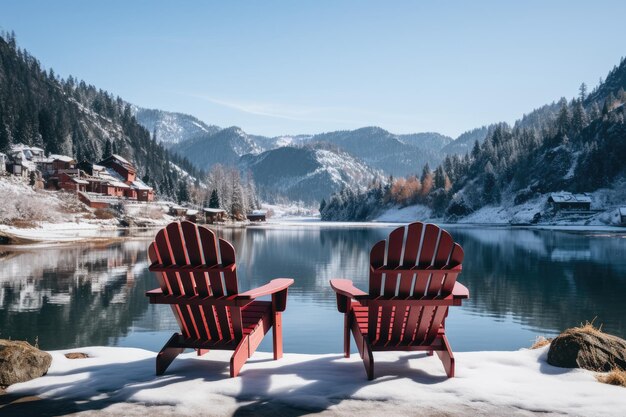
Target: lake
x=523 y=283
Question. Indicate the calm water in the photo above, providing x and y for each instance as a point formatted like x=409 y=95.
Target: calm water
x=523 y=283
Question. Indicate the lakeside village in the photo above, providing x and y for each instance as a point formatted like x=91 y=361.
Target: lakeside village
x=105 y=186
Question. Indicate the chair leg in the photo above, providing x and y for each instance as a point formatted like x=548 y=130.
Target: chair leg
x=277 y=335
x=365 y=350
x=446 y=357
x=368 y=361
x=240 y=356
x=167 y=354
x=346 y=335
x=429 y=353
x=202 y=351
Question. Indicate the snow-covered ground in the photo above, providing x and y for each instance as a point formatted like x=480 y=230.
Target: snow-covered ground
x=508 y=213
x=487 y=383
x=28 y=215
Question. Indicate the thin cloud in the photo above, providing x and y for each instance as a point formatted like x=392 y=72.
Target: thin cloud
x=358 y=117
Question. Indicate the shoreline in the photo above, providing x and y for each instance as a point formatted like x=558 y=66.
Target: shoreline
x=121 y=381
x=71 y=233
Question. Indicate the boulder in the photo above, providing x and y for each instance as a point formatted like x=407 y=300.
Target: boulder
x=20 y=362
x=588 y=348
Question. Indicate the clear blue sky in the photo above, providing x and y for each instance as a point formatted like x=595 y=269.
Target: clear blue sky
x=286 y=67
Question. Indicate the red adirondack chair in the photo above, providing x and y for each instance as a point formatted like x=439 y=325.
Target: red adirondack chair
x=197 y=277
x=412 y=285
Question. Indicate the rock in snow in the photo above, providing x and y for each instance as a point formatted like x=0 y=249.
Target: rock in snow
x=21 y=362
x=587 y=348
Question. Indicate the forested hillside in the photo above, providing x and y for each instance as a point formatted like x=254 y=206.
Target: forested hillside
x=576 y=145
x=70 y=117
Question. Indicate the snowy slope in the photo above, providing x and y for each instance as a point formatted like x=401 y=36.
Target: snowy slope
x=306 y=173
x=171 y=128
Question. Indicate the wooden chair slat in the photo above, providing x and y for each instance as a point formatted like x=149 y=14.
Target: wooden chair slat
x=192 y=243
x=394 y=247
x=398 y=326
x=227 y=254
x=209 y=246
x=421 y=282
x=424 y=325
x=428 y=245
x=438 y=316
x=177 y=245
x=443 y=250
x=377 y=260
x=413 y=239
x=406 y=282
x=411 y=324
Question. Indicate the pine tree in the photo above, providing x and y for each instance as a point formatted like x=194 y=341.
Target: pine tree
x=322 y=205
x=183 y=192
x=579 y=117
x=491 y=194
x=214 y=201
x=440 y=178
x=563 y=119
x=108 y=150
x=582 y=92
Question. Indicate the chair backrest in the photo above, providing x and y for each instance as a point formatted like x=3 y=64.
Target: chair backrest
x=417 y=262
x=190 y=261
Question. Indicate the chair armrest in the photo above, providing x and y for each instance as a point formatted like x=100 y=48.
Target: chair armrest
x=346 y=291
x=460 y=291
x=346 y=288
x=272 y=287
x=156 y=291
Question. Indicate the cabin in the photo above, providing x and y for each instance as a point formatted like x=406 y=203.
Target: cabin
x=61 y=162
x=120 y=165
x=143 y=192
x=178 y=211
x=257 y=216
x=70 y=182
x=212 y=215
x=568 y=201
x=192 y=215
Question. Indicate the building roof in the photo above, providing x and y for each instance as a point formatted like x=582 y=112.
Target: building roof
x=259 y=212
x=119 y=160
x=622 y=211
x=192 y=212
x=119 y=184
x=140 y=185
x=213 y=210
x=79 y=181
x=62 y=158
x=565 y=197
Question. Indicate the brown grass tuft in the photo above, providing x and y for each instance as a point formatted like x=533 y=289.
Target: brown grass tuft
x=589 y=327
x=615 y=377
x=540 y=342
x=103 y=214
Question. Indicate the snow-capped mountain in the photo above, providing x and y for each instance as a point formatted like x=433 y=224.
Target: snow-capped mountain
x=224 y=147
x=172 y=128
x=306 y=173
x=396 y=155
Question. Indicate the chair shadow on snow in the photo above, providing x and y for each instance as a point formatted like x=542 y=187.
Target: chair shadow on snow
x=325 y=381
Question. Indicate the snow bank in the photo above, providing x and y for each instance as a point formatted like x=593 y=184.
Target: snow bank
x=508 y=382
x=406 y=214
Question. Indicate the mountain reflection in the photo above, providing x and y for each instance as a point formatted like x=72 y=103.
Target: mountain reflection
x=94 y=294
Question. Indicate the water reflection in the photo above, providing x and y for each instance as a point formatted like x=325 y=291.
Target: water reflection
x=522 y=282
